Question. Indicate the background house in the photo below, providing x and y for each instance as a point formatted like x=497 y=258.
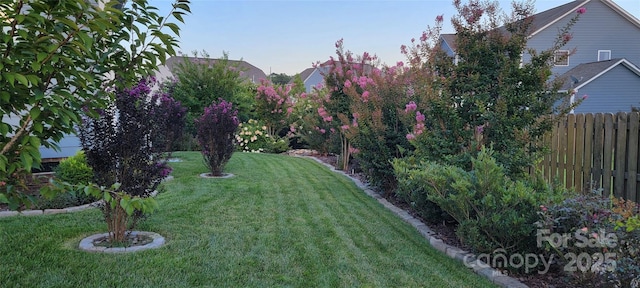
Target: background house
x=606 y=32
x=597 y=81
x=311 y=77
x=247 y=71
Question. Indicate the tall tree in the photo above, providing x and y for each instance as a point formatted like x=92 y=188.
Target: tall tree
x=489 y=97
x=57 y=59
x=201 y=81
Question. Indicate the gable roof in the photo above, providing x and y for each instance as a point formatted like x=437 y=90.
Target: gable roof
x=248 y=71
x=450 y=40
x=588 y=72
x=304 y=75
x=549 y=17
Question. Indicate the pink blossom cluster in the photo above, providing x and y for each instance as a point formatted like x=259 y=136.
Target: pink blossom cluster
x=363 y=81
x=471 y=12
x=581 y=10
x=410 y=107
x=419 y=127
x=365 y=96
x=325 y=116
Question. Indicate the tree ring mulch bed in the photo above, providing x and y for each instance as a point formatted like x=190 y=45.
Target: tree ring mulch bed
x=135 y=241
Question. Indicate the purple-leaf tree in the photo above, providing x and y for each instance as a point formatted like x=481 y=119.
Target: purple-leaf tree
x=216 y=129
x=119 y=146
x=169 y=115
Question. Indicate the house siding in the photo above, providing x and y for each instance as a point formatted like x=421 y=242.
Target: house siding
x=616 y=91
x=601 y=28
x=69 y=145
x=445 y=46
x=313 y=79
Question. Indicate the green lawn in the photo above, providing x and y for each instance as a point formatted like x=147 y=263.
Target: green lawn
x=280 y=222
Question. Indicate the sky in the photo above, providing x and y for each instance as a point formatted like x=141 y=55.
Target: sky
x=287 y=36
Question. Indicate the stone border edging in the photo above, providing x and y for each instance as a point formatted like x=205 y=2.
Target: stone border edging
x=469 y=259
x=49 y=211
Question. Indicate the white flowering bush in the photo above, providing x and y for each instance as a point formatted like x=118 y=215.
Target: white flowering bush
x=253 y=136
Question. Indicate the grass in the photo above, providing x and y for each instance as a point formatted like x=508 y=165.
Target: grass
x=280 y=221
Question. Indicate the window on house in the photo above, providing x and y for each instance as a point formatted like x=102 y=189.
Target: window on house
x=561 y=58
x=604 y=55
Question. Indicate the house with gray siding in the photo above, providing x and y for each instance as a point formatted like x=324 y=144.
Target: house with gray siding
x=605 y=33
x=594 y=81
x=312 y=77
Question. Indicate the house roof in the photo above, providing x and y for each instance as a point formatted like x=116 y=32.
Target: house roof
x=304 y=75
x=450 y=39
x=248 y=71
x=585 y=73
x=549 y=17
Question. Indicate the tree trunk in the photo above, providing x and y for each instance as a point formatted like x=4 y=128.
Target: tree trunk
x=345 y=155
x=116 y=222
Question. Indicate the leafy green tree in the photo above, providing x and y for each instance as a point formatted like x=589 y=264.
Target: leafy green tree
x=298 y=86
x=490 y=96
x=200 y=81
x=57 y=59
x=280 y=79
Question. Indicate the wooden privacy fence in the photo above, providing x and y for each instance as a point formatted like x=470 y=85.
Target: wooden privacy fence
x=590 y=151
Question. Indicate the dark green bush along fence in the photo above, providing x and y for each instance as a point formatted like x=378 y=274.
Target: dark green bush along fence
x=596 y=151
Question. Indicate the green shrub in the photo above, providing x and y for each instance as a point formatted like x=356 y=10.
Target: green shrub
x=280 y=145
x=75 y=169
x=493 y=211
x=67 y=199
x=253 y=136
x=411 y=189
